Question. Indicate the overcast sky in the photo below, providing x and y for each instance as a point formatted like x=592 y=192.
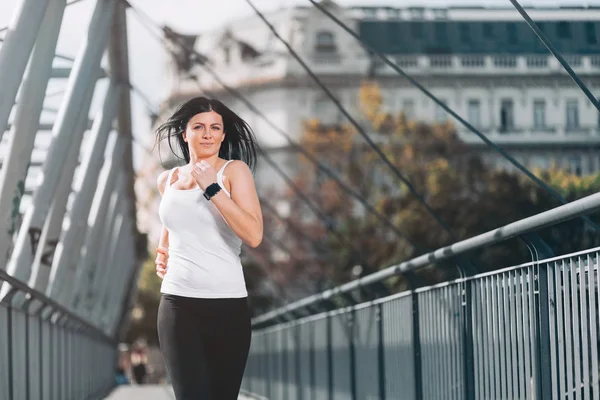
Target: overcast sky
x=147 y=59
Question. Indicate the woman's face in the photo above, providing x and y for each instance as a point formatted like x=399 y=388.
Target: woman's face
x=204 y=134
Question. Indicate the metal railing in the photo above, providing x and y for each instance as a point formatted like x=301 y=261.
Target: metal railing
x=528 y=331
x=49 y=353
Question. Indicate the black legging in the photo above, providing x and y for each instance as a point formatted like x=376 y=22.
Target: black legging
x=205 y=344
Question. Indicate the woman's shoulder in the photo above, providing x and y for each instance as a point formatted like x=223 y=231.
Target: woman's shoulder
x=235 y=166
x=161 y=181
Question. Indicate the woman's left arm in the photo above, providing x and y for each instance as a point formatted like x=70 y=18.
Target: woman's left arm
x=242 y=211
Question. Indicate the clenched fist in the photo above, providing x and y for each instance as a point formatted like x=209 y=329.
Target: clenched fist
x=204 y=174
x=162 y=257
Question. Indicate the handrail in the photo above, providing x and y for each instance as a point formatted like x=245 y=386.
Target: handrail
x=48 y=302
x=545 y=219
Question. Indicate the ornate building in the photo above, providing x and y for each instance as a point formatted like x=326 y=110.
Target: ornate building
x=484 y=63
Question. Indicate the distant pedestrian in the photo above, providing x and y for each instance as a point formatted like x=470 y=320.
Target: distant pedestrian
x=139 y=364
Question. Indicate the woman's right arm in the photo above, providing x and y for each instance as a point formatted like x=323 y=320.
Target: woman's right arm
x=162 y=251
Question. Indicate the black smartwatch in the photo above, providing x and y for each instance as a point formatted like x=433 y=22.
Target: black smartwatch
x=211 y=190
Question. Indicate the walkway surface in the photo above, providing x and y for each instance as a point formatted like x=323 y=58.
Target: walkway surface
x=148 y=392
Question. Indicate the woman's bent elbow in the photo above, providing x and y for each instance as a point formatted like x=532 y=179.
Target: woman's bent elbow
x=255 y=241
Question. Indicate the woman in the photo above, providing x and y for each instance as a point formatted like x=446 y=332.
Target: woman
x=208 y=208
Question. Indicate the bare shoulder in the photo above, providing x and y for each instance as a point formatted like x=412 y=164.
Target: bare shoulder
x=237 y=174
x=237 y=167
x=162 y=181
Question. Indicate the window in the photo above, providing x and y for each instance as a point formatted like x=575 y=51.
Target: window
x=440 y=114
x=541 y=162
x=388 y=104
x=325 y=111
x=227 y=54
x=488 y=30
x=325 y=42
x=563 y=30
x=590 y=33
x=539 y=114
x=465 y=33
x=572 y=114
x=416 y=29
x=511 y=29
x=507 y=120
x=575 y=165
x=474 y=112
x=541 y=26
x=441 y=34
x=408 y=108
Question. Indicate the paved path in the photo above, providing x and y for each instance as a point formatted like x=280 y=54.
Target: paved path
x=147 y=392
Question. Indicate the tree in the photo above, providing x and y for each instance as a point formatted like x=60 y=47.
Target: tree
x=465 y=194
x=145 y=310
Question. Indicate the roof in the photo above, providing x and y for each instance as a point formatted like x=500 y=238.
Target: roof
x=479 y=37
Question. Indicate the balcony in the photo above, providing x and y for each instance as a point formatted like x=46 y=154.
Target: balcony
x=548 y=136
x=479 y=64
x=326 y=58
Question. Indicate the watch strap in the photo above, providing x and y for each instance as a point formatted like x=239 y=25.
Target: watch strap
x=211 y=190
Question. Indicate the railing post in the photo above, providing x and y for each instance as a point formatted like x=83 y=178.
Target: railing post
x=468 y=353
x=543 y=334
x=380 y=350
x=311 y=362
x=542 y=362
x=467 y=268
x=27 y=349
x=352 y=349
x=416 y=346
x=297 y=363
x=10 y=350
x=267 y=366
x=283 y=359
x=414 y=282
x=329 y=359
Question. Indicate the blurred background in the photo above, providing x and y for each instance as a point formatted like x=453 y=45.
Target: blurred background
x=476 y=58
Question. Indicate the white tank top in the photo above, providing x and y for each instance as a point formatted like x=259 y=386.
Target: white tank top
x=204 y=253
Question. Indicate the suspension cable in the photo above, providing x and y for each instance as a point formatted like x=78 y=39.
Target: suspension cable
x=298 y=192
x=556 y=54
x=441 y=104
x=299 y=148
x=326 y=170
x=293 y=228
x=355 y=123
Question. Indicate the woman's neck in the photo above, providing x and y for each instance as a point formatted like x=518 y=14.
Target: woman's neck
x=212 y=160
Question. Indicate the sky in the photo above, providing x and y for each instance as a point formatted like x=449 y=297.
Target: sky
x=148 y=59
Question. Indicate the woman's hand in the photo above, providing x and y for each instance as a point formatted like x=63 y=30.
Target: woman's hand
x=204 y=174
x=162 y=257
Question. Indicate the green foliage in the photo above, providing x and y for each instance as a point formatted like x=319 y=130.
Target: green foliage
x=149 y=282
x=468 y=196
x=145 y=309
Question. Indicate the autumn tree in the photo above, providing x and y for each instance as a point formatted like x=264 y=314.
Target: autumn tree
x=463 y=193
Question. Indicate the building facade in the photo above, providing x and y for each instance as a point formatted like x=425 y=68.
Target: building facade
x=485 y=63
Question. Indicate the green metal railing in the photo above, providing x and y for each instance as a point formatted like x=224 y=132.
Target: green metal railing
x=47 y=352
x=528 y=331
